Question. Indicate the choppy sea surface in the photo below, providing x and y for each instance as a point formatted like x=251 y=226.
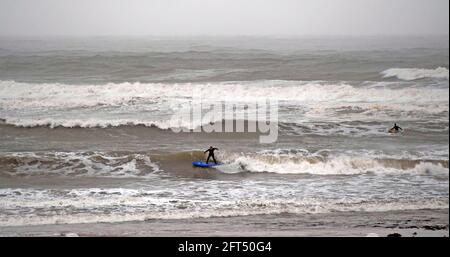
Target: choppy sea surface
x=85 y=134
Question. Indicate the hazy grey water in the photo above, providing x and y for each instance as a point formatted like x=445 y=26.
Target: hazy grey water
x=80 y=142
x=102 y=60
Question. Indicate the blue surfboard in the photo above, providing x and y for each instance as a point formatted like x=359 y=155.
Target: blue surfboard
x=204 y=165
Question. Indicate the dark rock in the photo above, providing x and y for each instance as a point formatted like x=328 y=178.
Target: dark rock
x=394 y=235
x=436 y=227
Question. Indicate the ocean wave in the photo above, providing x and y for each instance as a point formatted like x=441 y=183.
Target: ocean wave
x=143 y=165
x=415 y=73
x=84 y=123
x=322 y=163
x=288 y=125
x=315 y=119
x=303 y=103
x=16 y=95
x=78 y=164
x=41 y=207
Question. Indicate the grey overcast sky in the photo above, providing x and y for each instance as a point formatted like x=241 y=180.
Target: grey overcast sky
x=223 y=17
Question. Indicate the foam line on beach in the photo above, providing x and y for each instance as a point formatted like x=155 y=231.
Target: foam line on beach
x=65 y=207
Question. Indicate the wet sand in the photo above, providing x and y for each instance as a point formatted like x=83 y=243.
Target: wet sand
x=423 y=223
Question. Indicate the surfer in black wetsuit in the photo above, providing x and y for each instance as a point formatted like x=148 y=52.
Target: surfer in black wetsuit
x=395 y=128
x=211 y=154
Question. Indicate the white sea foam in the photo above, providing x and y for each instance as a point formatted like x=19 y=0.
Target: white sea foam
x=414 y=73
x=25 y=95
x=334 y=164
x=151 y=104
x=120 y=205
x=279 y=161
x=79 y=164
x=84 y=123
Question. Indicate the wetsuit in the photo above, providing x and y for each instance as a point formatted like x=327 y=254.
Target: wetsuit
x=396 y=128
x=211 y=154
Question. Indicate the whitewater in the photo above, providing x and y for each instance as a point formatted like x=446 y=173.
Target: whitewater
x=86 y=135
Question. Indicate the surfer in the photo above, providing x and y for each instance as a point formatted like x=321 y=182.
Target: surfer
x=211 y=154
x=395 y=128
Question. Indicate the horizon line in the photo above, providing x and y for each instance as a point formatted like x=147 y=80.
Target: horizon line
x=218 y=35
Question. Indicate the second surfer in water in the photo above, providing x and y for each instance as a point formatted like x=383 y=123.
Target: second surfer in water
x=395 y=128
x=211 y=154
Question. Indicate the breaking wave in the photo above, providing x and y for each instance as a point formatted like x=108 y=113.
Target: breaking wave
x=324 y=163
x=141 y=165
x=84 y=123
x=66 y=206
x=153 y=104
x=16 y=95
x=414 y=73
x=78 y=164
